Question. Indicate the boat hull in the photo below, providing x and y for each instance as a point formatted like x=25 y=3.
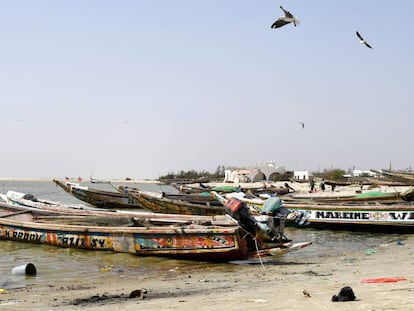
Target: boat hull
x=370 y=217
x=98 y=198
x=200 y=240
x=171 y=206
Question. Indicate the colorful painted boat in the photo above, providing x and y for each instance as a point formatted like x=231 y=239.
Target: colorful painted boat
x=373 y=217
x=96 y=197
x=355 y=216
x=196 y=240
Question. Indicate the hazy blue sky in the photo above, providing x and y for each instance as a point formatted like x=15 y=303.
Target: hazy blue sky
x=142 y=88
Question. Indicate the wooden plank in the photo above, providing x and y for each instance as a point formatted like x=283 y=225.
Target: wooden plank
x=14 y=214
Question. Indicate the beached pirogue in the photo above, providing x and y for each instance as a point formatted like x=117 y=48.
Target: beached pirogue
x=161 y=203
x=97 y=197
x=217 y=238
x=368 y=217
x=253 y=189
x=121 y=198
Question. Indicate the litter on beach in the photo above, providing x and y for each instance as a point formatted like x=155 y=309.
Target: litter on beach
x=383 y=280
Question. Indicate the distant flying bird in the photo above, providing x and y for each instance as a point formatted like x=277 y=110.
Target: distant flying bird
x=302 y=124
x=287 y=19
x=362 y=40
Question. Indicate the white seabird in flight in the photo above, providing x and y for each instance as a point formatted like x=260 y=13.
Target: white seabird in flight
x=302 y=124
x=287 y=19
x=362 y=40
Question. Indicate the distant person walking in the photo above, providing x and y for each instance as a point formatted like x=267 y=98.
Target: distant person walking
x=312 y=186
x=322 y=185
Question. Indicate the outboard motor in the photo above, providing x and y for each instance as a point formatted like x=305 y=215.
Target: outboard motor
x=240 y=211
x=270 y=222
x=273 y=206
x=274 y=214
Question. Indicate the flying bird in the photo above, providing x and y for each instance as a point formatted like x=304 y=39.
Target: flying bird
x=302 y=124
x=287 y=19
x=362 y=40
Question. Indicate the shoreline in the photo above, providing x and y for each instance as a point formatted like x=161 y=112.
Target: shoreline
x=136 y=181
x=291 y=283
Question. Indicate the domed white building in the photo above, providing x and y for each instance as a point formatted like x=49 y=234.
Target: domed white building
x=260 y=172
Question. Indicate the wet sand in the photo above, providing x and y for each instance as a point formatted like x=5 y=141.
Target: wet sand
x=272 y=286
x=276 y=286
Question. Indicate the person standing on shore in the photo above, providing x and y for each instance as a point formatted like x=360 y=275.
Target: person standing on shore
x=322 y=184
x=312 y=186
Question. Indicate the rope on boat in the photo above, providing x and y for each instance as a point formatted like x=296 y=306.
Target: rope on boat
x=255 y=244
x=258 y=254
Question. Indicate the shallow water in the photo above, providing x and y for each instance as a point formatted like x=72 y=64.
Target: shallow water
x=54 y=263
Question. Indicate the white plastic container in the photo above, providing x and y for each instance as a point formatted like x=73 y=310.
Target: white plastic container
x=26 y=269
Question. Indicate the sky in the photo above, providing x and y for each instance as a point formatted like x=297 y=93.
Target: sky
x=138 y=89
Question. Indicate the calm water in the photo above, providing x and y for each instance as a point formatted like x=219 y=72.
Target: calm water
x=54 y=263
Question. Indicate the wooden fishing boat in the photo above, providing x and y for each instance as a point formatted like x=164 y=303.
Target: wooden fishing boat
x=46 y=207
x=355 y=216
x=207 y=239
x=196 y=198
x=252 y=189
x=348 y=181
x=158 y=203
x=96 y=197
x=372 y=217
x=200 y=187
x=367 y=197
x=406 y=178
x=190 y=204
x=25 y=201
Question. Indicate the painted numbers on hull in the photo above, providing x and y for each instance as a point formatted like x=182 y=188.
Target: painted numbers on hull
x=70 y=240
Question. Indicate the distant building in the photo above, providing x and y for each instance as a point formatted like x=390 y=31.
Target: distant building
x=301 y=175
x=261 y=172
x=359 y=173
x=236 y=175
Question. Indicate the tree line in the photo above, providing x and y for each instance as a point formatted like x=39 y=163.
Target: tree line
x=194 y=176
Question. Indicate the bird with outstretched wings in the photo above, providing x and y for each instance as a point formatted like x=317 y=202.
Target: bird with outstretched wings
x=284 y=20
x=362 y=40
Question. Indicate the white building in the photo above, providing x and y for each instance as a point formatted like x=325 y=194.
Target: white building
x=359 y=173
x=236 y=175
x=261 y=172
x=301 y=175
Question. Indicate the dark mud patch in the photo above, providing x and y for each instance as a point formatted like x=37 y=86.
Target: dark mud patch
x=99 y=299
x=178 y=292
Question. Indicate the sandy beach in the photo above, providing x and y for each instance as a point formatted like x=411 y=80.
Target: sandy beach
x=279 y=285
x=276 y=286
